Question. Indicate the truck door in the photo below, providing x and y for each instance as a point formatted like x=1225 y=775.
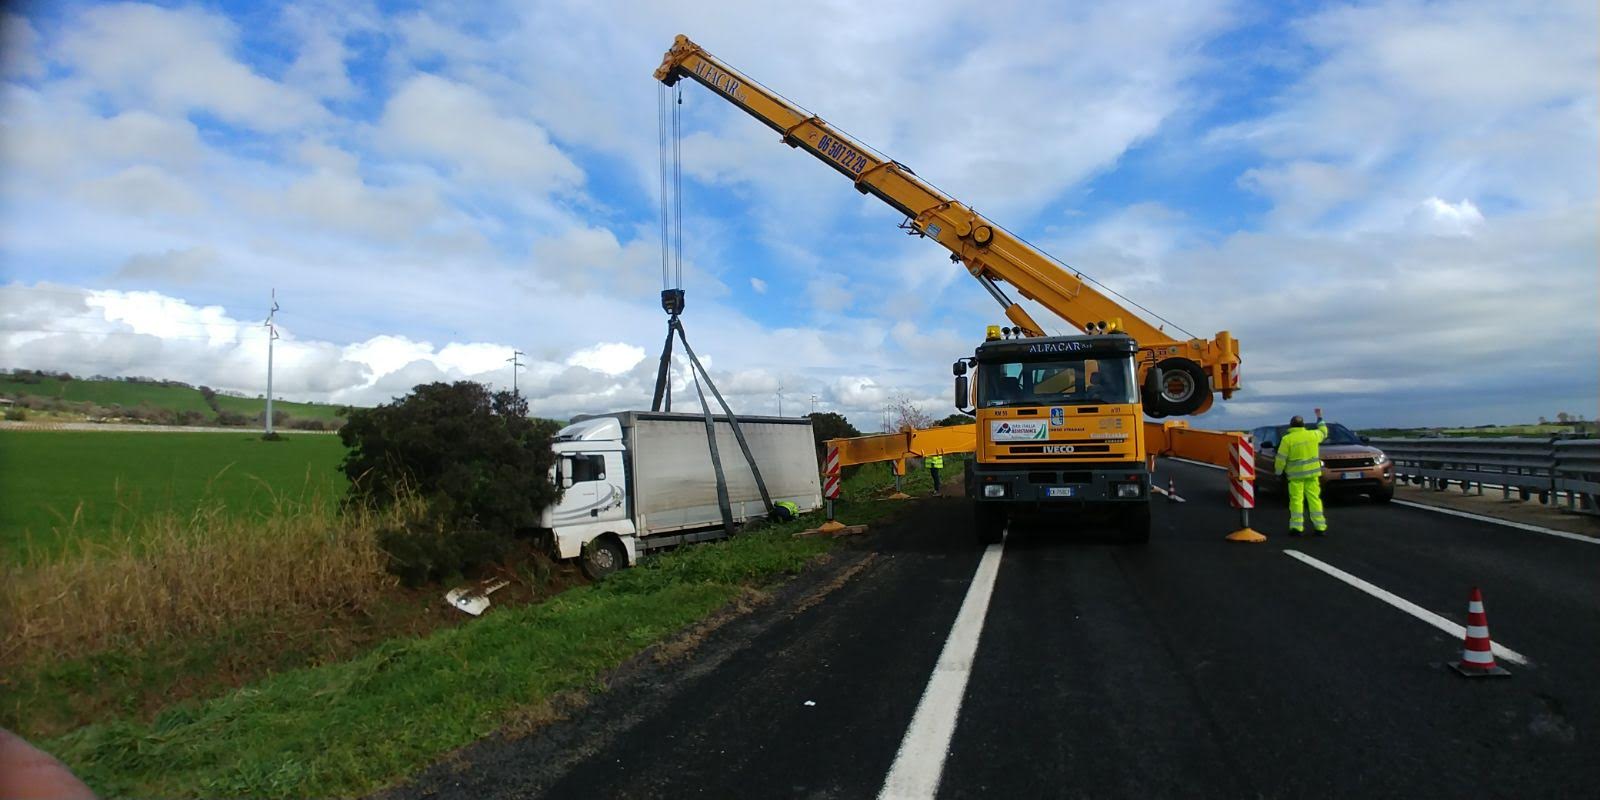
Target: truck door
x=582 y=501
x=612 y=489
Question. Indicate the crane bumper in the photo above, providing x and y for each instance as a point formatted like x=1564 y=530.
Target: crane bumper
x=1046 y=487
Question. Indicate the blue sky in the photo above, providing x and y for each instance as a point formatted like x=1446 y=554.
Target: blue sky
x=1369 y=195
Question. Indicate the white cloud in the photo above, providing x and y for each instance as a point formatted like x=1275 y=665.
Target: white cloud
x=590 y=259
x=178 y=60
x=185 y=266
x=1303 y=191
x=143 y=191
x=758 y=285
x=320 y=28
x=830 y=292
x=611 y=358
x=48 y=136
x=345 y=202
x=1446 y=219
x=1450 y=99
x=457 y=124
x=858 y=391
x=19 y=55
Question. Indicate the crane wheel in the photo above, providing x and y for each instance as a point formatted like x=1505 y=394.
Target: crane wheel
x=1181 y=390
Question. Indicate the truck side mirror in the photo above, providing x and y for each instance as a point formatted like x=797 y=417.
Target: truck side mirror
x=1152 y=384
x=959 y=368
x=962 y=392
x=566 y=473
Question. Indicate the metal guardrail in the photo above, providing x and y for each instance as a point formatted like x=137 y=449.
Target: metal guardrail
x=1577 y=471
x=1552 y=469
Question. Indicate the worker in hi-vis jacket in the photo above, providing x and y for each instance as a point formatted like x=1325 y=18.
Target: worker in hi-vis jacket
x=1299 y=461
x=934 y=464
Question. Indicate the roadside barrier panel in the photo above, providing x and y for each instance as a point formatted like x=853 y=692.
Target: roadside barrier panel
x=1549 y=468
x=1577 y=473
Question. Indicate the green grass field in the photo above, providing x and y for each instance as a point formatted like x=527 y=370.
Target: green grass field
x=176 y=398
x=95 y=482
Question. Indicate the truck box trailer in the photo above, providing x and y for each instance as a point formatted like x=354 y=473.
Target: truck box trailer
x=637 y=480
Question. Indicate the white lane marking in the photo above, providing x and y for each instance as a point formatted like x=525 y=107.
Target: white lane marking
x=1576 y=537
x=1403 y=604
x=920 y=761
x=1163 y=492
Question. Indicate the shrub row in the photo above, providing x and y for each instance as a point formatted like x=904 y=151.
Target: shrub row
x=145 y=413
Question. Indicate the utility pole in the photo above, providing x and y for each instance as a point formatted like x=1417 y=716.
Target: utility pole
x=272 y=336
x=813 y=405
x=515 y=365
x=779 y=393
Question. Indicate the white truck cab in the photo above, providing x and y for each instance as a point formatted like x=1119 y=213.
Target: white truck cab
x=591 y=470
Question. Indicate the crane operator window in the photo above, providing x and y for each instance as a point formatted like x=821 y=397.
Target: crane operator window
x=1067 y=382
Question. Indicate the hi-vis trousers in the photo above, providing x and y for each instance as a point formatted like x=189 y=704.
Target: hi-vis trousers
x=1306 y=492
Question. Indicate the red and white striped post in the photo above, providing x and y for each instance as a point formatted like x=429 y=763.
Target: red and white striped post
x=1242 y=487
x=830 y=488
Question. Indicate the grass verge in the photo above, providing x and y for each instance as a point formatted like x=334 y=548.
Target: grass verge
x=351 y=727
x=185 y=575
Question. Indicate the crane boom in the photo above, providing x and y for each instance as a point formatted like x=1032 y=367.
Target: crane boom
x=1190 y=370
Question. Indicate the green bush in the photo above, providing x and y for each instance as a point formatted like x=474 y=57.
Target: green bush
x=16 y=414
x=232 y=419
x=474 y=456
x=426 y=552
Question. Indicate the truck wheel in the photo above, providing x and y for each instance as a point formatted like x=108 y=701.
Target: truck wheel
x=989 y=522
x=602 y=556
x=1134 y=525
x=1182 y=390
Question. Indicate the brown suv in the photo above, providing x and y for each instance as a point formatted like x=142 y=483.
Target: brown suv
x=1349 y=464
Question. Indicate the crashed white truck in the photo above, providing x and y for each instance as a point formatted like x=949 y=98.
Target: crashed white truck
x=637 y=480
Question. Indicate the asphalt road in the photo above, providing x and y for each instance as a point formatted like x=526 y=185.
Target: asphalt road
x=1190 y=667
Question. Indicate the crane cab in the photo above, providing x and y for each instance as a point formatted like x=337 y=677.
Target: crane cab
x=1059 y=428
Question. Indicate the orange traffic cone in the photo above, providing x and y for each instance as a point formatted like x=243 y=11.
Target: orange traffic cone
x=1477 y=650
x=1172 y=491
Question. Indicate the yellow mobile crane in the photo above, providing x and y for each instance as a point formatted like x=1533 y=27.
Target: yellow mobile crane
x=1059 y=418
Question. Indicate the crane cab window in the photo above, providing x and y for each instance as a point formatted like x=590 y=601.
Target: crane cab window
x=1062 y=382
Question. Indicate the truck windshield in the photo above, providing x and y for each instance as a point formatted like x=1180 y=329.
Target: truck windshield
x=1064 y=382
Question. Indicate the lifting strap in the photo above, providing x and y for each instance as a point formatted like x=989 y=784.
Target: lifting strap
x=716 y=460
x=733 y=421
x=672 y=302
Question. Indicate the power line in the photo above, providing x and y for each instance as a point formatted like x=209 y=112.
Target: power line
x=272 y=336
x=515 y=365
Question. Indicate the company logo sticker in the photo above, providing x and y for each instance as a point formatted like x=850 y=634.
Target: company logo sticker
x=1058 y=417
x=1018 y=431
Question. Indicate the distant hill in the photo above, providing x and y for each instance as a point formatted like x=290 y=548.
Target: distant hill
x=77 y=395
